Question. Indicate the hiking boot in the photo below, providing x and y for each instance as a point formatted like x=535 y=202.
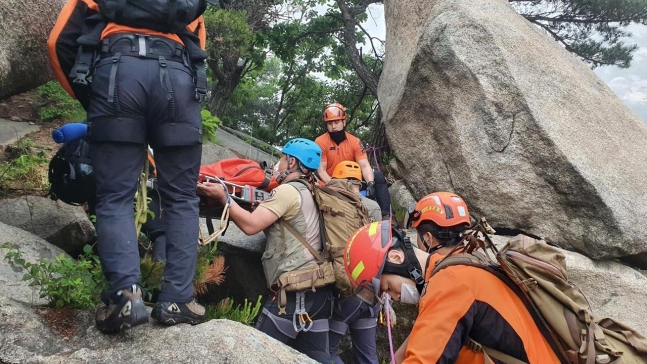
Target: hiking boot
x=125 y=310
x=170 y=313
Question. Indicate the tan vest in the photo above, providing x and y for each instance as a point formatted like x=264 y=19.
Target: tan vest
x=284 y=253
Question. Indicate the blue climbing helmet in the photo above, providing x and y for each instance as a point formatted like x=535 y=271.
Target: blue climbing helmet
x=305 y=150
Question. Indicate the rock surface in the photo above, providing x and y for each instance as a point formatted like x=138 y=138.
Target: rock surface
x=25 y=27
x=11 y=131
x=63 y=225
x=526 y=133
x=58 y=336
x=244 y=278
x=213 y=152
x=400 y=195
x=32 y=249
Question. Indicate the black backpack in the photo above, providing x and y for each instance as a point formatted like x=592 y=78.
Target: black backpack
x=166 y=16
x=70 y=174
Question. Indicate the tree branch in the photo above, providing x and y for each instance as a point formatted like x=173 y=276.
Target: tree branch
x=349 y=40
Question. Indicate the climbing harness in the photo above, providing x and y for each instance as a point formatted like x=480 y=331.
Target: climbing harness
x=303 y=322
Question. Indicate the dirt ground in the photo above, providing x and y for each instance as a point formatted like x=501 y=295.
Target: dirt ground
x=24 y=107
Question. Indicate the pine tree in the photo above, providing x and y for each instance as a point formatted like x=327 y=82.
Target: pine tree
x=591 y=29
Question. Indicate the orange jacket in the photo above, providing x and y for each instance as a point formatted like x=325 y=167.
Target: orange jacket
x=350 y=149
x=464 y=301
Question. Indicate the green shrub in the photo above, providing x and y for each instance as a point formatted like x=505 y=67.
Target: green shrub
x=63 y=282
x=209 y=125
x=151 y=278
x=226 y=310
x=57 y=104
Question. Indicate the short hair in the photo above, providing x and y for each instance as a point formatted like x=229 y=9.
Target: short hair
x=444 y=235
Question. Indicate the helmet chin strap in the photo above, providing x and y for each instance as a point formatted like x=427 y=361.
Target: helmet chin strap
x=410 y=267
x=284 y=175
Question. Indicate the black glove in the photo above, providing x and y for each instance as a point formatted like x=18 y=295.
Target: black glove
x=370 y=190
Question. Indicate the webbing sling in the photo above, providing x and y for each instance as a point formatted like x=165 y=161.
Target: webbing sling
x=489 y=352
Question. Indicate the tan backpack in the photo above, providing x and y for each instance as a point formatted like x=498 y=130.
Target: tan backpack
x=537 y=273
x=342 y=213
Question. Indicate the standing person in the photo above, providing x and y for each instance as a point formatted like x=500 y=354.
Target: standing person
x=459 y=303
x=291 y=209
x=339 y=145
x=143 y=92
x=351 y=313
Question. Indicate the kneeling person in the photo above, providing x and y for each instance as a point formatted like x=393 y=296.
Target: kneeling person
x=351 y=312
x=457 y=304
x=290 y=215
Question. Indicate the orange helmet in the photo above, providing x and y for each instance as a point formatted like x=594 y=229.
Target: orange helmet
x=365 y=259
x=445 y=209
x=347 y=169
x=334 y=112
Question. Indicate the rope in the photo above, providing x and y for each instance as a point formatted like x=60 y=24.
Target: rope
x=374 y=151
x=387 y=300
x=141 y=202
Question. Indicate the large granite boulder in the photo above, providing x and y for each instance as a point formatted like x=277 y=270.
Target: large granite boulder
x=65 y=226
x=25 y=27
x=511 y=121
x=31 y=335
x=32 y=249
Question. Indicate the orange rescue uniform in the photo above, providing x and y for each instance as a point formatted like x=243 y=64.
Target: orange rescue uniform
x=463 y=301
x=348 y=150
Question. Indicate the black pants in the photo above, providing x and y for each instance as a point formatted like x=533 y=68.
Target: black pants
x=138 y=101
x=313 y=343
x=382 y=195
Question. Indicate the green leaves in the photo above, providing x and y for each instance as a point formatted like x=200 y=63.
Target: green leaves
x=209 y=125
x=63 y=282
x=57 y=104
x=226 y=310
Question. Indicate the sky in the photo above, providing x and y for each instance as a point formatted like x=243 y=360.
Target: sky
x=629 y=84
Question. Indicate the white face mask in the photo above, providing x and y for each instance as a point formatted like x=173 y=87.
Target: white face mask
x=408 y=293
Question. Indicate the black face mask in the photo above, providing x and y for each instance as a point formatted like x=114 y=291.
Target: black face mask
x=337 y=136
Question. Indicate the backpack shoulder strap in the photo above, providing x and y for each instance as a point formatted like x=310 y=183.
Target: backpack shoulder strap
x=489 y=352
x=301 y=239
x=475 y=259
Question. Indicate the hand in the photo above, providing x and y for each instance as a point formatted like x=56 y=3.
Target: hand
x=214 y=191
x=370 y=190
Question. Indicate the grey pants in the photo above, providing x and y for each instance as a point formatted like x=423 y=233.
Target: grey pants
x=352 y=313
x=313 y=343
x=138 y=101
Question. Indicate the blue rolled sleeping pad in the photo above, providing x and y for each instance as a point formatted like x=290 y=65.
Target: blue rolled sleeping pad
x=70 y=132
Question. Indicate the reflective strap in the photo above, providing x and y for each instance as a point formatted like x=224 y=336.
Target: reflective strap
x=142 y=45
x=338 y=327
x=364 y=323
x=112 y=85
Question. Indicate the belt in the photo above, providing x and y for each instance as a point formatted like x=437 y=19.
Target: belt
x=143 y=46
